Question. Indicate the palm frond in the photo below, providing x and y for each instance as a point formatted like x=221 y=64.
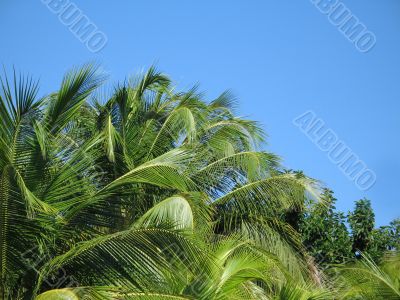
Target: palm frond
x=75 y=88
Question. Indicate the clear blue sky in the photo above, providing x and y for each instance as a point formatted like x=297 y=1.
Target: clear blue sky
x=280 y=58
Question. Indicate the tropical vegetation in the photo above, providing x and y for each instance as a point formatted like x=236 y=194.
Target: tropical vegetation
x=145 y=192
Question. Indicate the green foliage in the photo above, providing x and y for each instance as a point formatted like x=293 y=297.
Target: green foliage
x=362 y=221
x=384 y=238
x=395 y=234
x=366 y=280
x=324 y=232
x=149 y=193
x=145 y=193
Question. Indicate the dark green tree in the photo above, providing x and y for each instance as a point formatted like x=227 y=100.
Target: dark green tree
x=362 y=221
x=381 y=241
x=324 y=232
x=395 y=233
x=384 y=238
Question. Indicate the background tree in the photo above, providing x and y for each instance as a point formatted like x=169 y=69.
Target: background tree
x=384 y=238
x=324 y=232
x=395 y=234
x=362 y=221
x=381 y=241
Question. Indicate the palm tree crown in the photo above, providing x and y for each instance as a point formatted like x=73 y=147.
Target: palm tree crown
x=145 y=193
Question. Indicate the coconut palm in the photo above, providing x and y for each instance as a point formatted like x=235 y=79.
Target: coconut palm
x=143 y=193
x=366 y=280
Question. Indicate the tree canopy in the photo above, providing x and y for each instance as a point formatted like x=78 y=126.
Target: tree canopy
x=146 y=192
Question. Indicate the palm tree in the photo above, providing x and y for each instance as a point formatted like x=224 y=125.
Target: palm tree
x=366 y=280
x=145 y=193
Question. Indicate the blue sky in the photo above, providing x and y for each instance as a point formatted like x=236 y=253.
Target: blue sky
x=280 y=58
